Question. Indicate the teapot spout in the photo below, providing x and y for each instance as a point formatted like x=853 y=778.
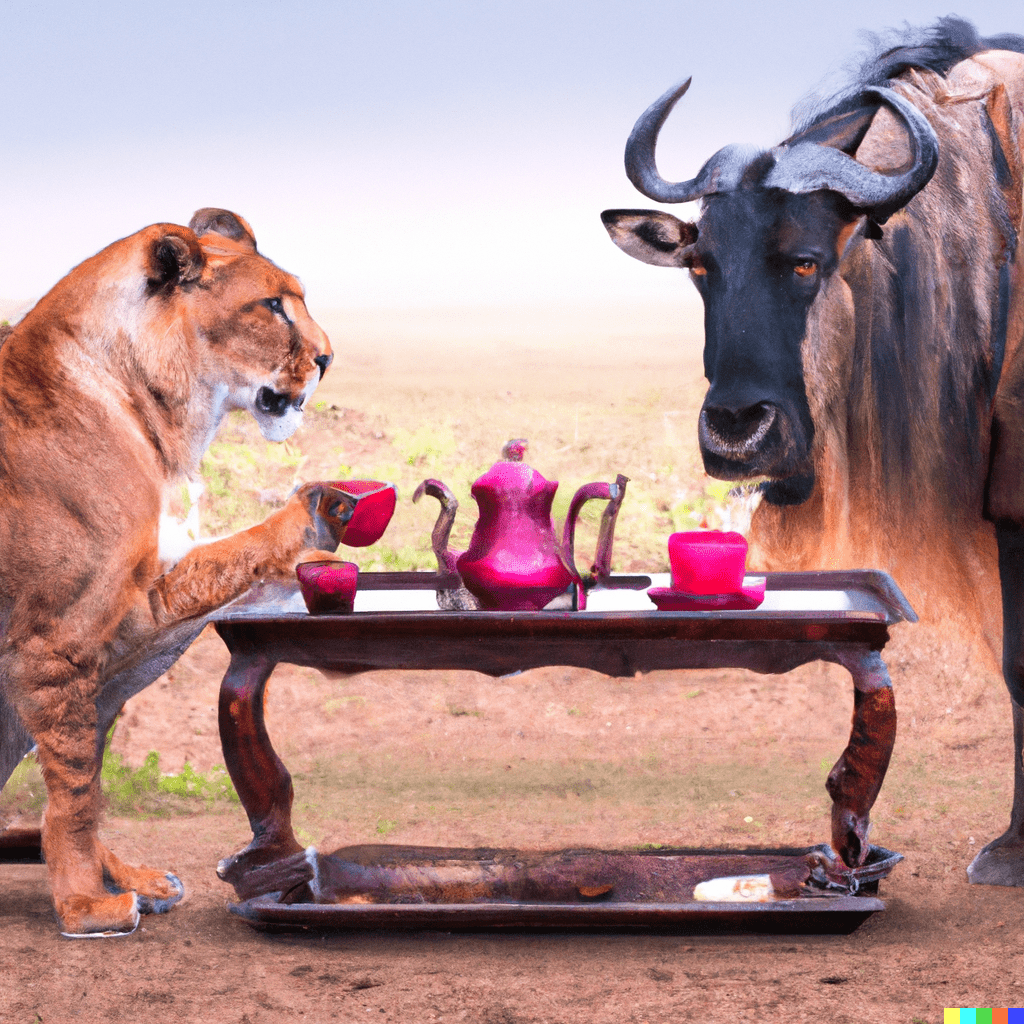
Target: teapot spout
x=445 y=520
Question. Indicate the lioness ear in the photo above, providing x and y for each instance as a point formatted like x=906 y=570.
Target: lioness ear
x=211 y=221
x=650 y=235
x=174 y=260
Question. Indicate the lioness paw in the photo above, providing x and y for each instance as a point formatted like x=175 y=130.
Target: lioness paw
x=156 y=891
x=153 y=903
x=329 y=510
x=85 y=917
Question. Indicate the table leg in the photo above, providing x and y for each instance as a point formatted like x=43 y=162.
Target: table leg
x=260 y=777
x=857 y=776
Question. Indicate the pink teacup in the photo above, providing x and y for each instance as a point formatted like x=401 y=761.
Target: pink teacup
x=328 y=588
x=707 y=561
x=375 y=505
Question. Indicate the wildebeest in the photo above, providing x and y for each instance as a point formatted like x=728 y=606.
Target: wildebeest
x=864 y=334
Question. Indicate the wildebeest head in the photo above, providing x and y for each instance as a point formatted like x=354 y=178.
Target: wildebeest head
x=772 y=232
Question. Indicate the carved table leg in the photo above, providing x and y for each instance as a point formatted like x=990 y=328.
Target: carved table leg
x=260 y=777
x=857 y=776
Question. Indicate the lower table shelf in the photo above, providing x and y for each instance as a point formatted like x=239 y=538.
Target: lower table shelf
x=411 y=889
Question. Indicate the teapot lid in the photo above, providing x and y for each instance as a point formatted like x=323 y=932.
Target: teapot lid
x=514 y=450
x=510 y=473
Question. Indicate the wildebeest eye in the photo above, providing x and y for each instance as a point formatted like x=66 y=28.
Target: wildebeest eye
x=694 y=264
x=805 y=268
x=276 y=306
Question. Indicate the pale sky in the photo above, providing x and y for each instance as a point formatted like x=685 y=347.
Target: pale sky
x=391 y=152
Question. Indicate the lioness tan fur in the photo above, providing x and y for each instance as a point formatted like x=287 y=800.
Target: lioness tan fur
x=111 y=389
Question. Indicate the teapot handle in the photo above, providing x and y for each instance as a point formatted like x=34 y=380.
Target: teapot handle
x=601 y=569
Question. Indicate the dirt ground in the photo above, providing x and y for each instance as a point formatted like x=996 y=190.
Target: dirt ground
x=680 y=758
x=549 y=759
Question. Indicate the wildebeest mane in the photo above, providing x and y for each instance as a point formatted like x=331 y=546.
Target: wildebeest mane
x=937 y=48
x=920 y=325
x=922 y=370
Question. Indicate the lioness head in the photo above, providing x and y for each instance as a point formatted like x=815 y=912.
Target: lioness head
x=162 y=333
x=262 y=344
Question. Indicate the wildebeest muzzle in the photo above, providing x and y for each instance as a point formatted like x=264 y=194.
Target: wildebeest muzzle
x=741 y=441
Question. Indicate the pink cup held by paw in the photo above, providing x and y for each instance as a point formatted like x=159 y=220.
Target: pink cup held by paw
x=707 y=561
x=328 y=588
x=375 y=505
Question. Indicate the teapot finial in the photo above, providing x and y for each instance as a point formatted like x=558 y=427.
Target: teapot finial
x=514 y=450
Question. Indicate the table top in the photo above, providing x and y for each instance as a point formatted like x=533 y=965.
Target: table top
x=803 y=614
x=846 y=595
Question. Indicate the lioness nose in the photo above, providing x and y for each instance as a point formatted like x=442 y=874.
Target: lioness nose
x=323 y=362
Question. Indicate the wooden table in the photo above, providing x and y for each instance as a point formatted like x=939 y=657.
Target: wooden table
x=839 y=617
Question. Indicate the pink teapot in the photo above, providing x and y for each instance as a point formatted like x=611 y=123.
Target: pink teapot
x=514 y=561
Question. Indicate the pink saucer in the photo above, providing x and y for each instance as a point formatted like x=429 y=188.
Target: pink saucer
x=748 y=597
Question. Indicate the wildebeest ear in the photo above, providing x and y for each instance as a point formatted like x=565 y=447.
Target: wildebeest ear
x=211 y=221
x=174 y=260
x=650 y=235
x=841 y=131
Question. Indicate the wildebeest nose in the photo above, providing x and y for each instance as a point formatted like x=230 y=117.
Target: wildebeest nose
x=323 y=362
x=735 y=432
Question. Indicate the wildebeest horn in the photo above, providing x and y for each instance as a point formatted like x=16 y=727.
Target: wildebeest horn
x=720 y=174
x=802 y=167
x=807 y=166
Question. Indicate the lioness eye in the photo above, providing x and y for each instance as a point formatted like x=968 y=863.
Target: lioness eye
x=276 y=306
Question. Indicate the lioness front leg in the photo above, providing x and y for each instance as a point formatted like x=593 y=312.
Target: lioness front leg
x=309 y=527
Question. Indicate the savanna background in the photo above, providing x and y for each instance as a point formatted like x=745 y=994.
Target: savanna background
x=435 y=174
x=551 y=758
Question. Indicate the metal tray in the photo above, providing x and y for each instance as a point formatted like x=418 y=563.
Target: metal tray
x=625 y=909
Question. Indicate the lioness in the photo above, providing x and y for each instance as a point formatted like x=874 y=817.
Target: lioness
x=111 y=389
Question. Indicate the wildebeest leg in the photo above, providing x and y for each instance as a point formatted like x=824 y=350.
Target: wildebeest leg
x=1001 y=862
x=260 y=777
x=857 y=776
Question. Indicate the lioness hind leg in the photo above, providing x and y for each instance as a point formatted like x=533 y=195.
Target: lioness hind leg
x=55 y=700
x=83 y=905
x=157 y=891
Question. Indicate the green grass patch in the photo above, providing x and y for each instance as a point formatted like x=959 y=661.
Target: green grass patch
x=427 y=446
x=25 y=791
x=458 y=711
x=128 y=791
x=147 y=790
